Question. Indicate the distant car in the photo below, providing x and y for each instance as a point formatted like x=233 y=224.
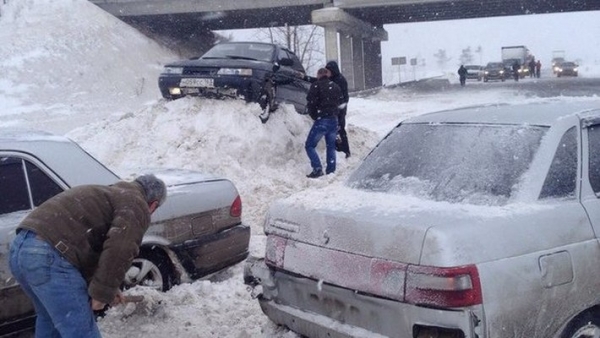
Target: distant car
x=494 y=71
x=264 y=73
x=556 y=62
x=196 y=232
x=522 y=70
x=567 y=69
x=474 y=72
x=494 y=234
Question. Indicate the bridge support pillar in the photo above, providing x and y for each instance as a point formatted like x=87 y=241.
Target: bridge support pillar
x=352 y=61
x=331 y=43
x=359 y=52
x=373 y=63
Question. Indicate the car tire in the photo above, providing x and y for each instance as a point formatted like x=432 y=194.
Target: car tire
x=585 y=325
x=267 y=101
x=151 y=269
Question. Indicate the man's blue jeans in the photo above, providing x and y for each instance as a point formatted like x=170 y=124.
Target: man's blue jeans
x=56 y=288
x=322 y=127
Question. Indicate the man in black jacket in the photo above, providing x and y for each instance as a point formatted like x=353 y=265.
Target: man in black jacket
x=322 y=103
x=340 y=80
x=462 y=75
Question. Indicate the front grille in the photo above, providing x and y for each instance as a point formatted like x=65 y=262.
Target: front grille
x=201 y=71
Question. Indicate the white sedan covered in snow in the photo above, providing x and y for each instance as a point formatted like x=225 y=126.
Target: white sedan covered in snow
x=477 y=222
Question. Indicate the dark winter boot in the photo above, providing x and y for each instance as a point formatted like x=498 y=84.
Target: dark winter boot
x=315 y=173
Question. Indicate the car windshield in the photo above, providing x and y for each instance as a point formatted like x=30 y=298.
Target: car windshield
x=495 y=65
x=567 y=64
x=248 y=51
x=472 y=67
x=475 y=164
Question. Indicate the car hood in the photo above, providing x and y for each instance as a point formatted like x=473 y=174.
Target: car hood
x=410 y=230
x=222 y=63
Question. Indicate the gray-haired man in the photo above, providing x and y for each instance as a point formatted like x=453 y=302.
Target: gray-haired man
x=72 y=252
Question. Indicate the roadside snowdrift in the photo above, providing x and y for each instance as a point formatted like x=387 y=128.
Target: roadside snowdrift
x=70 y=55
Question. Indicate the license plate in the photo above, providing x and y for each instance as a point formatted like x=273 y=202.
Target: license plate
x=190 y=90
x=198 y=83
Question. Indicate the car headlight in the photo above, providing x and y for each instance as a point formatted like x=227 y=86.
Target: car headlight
x=486 y=72
x=576 y=69
x=501 y=72
x=173 y=70
x=235 y=71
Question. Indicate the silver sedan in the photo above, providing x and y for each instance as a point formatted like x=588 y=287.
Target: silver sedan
x=477 y=222
x=197 y=231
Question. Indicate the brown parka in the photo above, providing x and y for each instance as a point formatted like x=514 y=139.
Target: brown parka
x=96 y=228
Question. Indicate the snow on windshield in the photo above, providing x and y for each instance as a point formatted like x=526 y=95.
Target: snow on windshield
x=475 y=164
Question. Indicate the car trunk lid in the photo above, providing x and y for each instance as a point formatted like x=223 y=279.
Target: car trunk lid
x=371 y=242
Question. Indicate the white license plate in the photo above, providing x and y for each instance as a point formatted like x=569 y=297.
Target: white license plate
x=198 y=83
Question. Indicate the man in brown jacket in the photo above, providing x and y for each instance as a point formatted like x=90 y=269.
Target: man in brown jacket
x=71 y=253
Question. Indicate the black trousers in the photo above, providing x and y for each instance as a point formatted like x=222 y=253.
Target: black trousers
x=343 y=146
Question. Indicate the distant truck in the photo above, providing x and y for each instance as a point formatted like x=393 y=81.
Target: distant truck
x=519 y=54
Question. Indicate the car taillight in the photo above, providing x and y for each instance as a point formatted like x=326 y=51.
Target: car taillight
x=236 y=207
x=387 y=279
x=443 y=287
x=275 y=251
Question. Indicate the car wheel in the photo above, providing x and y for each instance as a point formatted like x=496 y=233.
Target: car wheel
x=267 y=101
x=151 y=269
x=586 y=325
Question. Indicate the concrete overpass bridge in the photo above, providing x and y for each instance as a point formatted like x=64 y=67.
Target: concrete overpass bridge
x=353 y=28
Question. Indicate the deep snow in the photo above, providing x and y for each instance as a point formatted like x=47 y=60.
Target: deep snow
x=70 y=68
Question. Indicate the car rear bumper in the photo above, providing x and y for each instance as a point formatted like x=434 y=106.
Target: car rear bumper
x=316 y=309
x=248 y=88
x=214 y=252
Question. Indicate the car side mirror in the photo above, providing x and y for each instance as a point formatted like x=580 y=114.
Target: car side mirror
x=286 y=62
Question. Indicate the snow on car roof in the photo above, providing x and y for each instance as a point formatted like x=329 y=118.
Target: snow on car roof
x=540 y=113
x=29 y=135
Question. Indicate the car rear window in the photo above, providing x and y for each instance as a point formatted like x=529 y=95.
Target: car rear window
x=475 y=164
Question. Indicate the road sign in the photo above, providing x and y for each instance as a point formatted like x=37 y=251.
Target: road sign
x=397 y=61
x=413 y=61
